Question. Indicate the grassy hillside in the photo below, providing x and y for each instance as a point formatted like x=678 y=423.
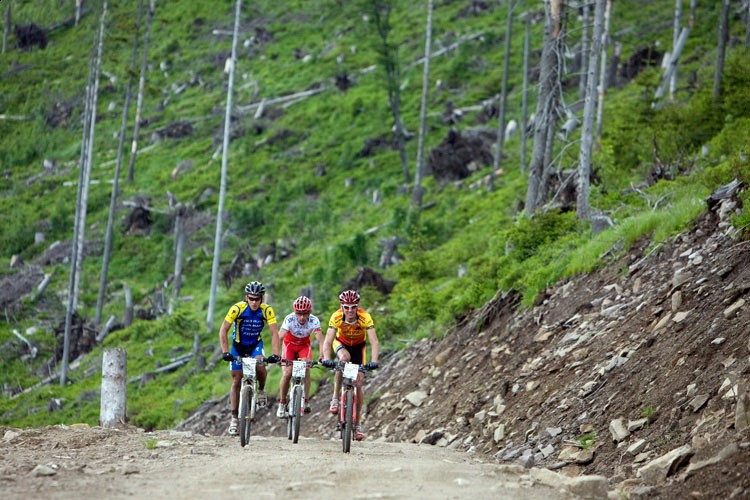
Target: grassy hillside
x=304 y=188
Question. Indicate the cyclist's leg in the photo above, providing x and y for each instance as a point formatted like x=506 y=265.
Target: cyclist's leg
x=305 y=354
x=260 y=373
x=358 y=356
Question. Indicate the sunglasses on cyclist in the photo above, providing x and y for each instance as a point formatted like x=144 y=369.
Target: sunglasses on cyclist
x=253 y=299
x=349 y=308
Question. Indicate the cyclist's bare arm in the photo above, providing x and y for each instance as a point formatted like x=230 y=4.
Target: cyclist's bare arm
x=374 y=344
x=319 y=338
x=223 y=340
x=275 y=338
x=325 y=351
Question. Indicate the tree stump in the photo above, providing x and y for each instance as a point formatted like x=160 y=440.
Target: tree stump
x=114 y=387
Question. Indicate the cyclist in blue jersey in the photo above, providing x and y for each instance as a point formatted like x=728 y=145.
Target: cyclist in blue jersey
x=248 y=319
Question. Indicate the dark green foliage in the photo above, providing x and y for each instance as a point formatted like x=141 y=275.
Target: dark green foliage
x=528 y=235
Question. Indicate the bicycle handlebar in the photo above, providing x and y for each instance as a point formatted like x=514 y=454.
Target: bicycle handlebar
x=238 y=359
x=289 y=362
x=339 y=366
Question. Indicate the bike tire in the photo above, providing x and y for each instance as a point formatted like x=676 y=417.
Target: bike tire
x=346 y=433
x=247 y=397
x=295 y=415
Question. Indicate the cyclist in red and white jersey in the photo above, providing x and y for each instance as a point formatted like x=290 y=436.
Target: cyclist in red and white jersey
x=296 y=332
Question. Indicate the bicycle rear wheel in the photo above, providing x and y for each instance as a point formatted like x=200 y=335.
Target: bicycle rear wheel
x=346 y=432
x=247 y=399
x=296 y=414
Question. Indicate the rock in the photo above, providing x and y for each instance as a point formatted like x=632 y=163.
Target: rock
x=660 y=468
x=742 y=412
x=43 y=471
x=554 y=431
x=587 y=487
x=698 y=402
x=636 y=447
x=725 y=453
x=618 y=430
x=416 y=398
x=680 y=316
x=499 y=433
x=730 y=311
x=585 y=457
x=636 y=425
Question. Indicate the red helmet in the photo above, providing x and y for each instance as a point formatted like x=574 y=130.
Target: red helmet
x=302 y=304
x=349 y=297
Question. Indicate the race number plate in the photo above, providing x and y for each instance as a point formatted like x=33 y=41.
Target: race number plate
x=248 y=367
x=351 y=370
x=298 y=369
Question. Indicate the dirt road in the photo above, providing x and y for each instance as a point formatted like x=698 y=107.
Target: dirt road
x=81 y=462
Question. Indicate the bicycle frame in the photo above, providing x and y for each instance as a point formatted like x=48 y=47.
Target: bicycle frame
x=347 y=415
x=248 y=397
x=296 y=396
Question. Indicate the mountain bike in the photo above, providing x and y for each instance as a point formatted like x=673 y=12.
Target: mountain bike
x=248 y=396
x=347 y=415
x=296 y=396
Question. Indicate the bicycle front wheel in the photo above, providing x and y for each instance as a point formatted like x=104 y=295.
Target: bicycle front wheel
x=346 y=432
x=296 y=414
x=247 y=399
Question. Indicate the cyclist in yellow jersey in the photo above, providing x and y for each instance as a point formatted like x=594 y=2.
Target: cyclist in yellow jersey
x=349 y=329
x=248 y=317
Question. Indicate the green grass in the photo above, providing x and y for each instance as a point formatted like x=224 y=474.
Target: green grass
x=454 y=255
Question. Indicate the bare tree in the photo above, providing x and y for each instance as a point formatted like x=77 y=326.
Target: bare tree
x=504 y=88
x=180 y=212
x=78 y=10
x=76 y=261
x=721 y=53
x=419 y=168
x=675 y=37
x=587 y=131
x=525 y=96
x=387 y=50
x=118 y=168
x=141 y=86
x=6 y=29
x=547 y=104
x=602 y=88
x=584 y=50
x=223 y=186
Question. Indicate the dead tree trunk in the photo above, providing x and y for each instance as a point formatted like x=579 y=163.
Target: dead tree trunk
x=76 y=260
x=602 y=88
x=525 y=90
x=127 y=318
x=671 y=65
x=223 y=182
x=6 y=30
x=504 y=89
x=116 y=178
x=675 y=37
x=723 y=39
x=179 y=238
x=546 y=108
x=416 y=199
x=141 y=86
x=584 y=51
x=380 y=10
x=583 y=210
x=113 y=406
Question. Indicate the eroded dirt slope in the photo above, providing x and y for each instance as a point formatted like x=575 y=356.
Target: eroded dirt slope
x=637 y=372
